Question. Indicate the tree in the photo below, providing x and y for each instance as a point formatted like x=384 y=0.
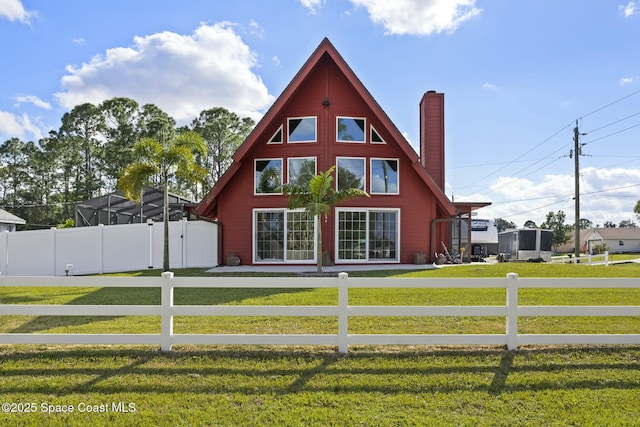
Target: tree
x=67 y=159
x=502 y=224
x=609 y=224
x=627 y=223
x=120 y=132
x=223 y=132
x=317 y=200
x=636 y=209
x=83 y=126
x=14 y=172
x=167 y=158
x=585 y=224
x=555 y=223
x=530 y=224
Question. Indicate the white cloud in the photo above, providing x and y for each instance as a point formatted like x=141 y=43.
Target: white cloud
x=625 y=81
x=18 y=126
x=276 y=61
x=406 y=136
x=489 y=86
x=13 y=10
x=312 y=5
x=630 y=9
x=256 y=29
x=31 y=99
x=181 y=74
x=606 y=195
x=419 y=17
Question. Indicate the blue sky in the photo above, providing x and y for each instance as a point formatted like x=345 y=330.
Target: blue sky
x=516 y=75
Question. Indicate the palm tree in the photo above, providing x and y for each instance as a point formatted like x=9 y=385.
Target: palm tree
x=317 y=200
x=172 y=157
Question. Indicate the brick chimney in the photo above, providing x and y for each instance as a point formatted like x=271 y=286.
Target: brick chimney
x=432 y=135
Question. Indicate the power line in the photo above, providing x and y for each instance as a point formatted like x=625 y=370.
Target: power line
x=563 y=199
x=505 y=165
x=491 y=164
x=609 y=105
x=540 y=207
x=517 y=158
x=524 y=176
x=611 y=134
x=612 y=189
x=613 y=123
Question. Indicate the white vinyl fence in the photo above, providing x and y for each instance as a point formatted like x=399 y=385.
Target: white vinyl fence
x=589 y=259
x=107 y=249
x=511 y=311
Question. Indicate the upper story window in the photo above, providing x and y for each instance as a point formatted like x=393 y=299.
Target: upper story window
x=351 y=173
x=384 y=176
x=268 y=176
x=302 y=129
x=301 y=170
x=277 y=137
x=375 y=137
x=350 y=129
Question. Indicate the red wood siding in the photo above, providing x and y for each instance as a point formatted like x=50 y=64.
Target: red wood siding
x=416 y=203
x=327 y=88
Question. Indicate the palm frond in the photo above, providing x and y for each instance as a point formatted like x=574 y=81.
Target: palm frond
x=148 y=149
x=133 y=179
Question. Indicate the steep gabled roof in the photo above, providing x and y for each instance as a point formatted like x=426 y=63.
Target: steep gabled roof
x=209 y=203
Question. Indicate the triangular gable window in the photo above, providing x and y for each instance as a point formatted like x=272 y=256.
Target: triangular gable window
x=277 y=137
x=375 y=137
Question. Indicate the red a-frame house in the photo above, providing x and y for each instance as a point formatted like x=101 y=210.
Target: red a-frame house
x=326 y=117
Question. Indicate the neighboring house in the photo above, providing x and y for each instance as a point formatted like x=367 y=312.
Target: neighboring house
x=619 y=240
x=9 y=221
x=326 y=117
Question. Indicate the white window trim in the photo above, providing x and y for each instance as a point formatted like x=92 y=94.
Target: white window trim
x=371 y=131
x=254 y=244
x=255 y=161
x=298 y=118
x=371 y=177
x=315 y=160
x=366 y=260
x=364 y=162
x=280 y=129
x=364 y=132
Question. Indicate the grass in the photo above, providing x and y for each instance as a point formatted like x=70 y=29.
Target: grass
x=298 y=386
x=293 y=386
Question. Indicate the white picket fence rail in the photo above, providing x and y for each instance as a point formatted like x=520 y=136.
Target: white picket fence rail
x=343 y=311
x=589 y=259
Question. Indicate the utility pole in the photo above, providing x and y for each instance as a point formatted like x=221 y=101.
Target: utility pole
x=576 y=153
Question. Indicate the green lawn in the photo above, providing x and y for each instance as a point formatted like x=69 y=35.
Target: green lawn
x=294 y=386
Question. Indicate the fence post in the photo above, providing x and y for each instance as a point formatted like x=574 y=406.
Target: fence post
x=166 y=301
x=606 y=258
x=102 y=246
x=54 y=251
x=512 y=311
x=4 y=263
x=343 y=313
x=150 y=224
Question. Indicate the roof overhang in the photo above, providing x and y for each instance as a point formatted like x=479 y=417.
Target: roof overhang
x=468 y=207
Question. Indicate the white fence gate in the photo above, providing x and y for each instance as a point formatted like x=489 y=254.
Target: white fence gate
x=106 y=249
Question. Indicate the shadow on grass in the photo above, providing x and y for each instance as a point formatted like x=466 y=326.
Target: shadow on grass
x=136 y=296
x=283 y=372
